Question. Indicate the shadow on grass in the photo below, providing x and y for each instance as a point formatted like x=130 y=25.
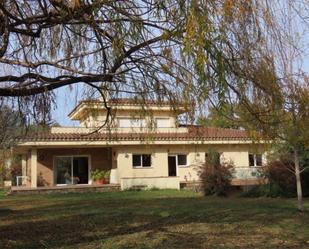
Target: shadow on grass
x=52 y=222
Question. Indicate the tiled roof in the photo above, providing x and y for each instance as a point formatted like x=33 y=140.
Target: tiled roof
x=134 y=101
x=128 y=101
x=194 y=133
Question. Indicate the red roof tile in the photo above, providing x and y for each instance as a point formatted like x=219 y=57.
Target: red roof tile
x=194 y=133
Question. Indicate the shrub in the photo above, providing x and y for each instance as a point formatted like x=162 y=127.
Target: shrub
x=97 y=174
x=281 y=180
x=254 y=191
x=107 y=175
x=216 y=176
x=15 y=170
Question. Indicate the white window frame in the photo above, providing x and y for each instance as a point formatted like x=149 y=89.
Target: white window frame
x=254 y=160
x=141 y=123
x=71 y=157
x=177 y=164
x=141 y=161
x=164 y=126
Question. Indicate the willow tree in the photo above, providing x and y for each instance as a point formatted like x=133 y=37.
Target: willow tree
x=152 y=49
x=275 y=101
x=255 y=66
x=287 y=38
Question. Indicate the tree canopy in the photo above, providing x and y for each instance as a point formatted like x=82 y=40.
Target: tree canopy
x=188 y=50
x=224 y=117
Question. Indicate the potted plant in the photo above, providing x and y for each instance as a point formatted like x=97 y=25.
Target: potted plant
x=98 y=176
x=107 y=176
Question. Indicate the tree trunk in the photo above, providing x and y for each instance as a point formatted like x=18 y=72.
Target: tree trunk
x=298 y=182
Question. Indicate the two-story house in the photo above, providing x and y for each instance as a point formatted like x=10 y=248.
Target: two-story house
x=143 y=146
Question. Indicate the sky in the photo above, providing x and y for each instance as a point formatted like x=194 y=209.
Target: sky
x=68 y=97
x=66 y=100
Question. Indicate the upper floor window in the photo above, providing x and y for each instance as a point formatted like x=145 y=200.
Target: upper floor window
x=255 y=160
x=163 y=123
x=131 y=123
x=141 y=160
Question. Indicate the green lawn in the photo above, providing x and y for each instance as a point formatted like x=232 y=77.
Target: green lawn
x=150 y=219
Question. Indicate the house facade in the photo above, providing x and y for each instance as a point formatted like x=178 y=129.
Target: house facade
x=143 y=145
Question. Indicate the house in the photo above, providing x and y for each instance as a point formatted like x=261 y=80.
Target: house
x=143 y=146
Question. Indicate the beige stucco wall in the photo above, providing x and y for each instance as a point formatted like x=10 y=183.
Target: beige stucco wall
x=96 y=118
x=120 y=158
x=237 y=154
x=159 y=161
x=151 y=182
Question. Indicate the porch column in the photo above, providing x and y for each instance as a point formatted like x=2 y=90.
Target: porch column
x=24 y=168
x=34 y=168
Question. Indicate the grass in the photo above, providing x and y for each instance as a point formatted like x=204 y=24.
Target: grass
x=150 y=219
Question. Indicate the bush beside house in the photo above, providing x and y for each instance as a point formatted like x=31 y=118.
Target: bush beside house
x=216 y=176
x=281 y=180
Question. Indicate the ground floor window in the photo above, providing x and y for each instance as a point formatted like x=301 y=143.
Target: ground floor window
x=71 y=170
x=182 y=160
x=255 y=160
x=141 y=160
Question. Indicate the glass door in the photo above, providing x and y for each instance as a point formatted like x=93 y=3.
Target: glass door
x=71 y=170
x=80 y=170
x=63 y=170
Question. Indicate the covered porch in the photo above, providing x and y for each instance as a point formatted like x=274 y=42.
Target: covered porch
x=43 y=167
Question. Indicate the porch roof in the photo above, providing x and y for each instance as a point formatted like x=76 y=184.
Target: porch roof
x=194 y=133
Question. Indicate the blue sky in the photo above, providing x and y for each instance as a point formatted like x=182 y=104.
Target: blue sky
x=68 y=97
x=66 y=100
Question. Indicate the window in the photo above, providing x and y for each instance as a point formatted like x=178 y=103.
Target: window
x=181 y=160
x=71 y=170
x=258 y=160
x=136 y=160
x=251 y=160
x=163 y=123
x=255 y=160
x=131 y=123
x=141 y=160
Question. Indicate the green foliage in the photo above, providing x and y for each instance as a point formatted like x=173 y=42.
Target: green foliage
x=216 y=176
x=255 y=191
x=107 y=175
x=99 y=174
x=281 y=180
x=223 y=116
x=11 y=126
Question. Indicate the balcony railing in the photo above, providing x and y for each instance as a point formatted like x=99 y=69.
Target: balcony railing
x=248 y=172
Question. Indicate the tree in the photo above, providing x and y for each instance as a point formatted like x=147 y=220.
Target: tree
x=152 y=49
x=285 y=119
x=223 y=117
x=11 y=126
